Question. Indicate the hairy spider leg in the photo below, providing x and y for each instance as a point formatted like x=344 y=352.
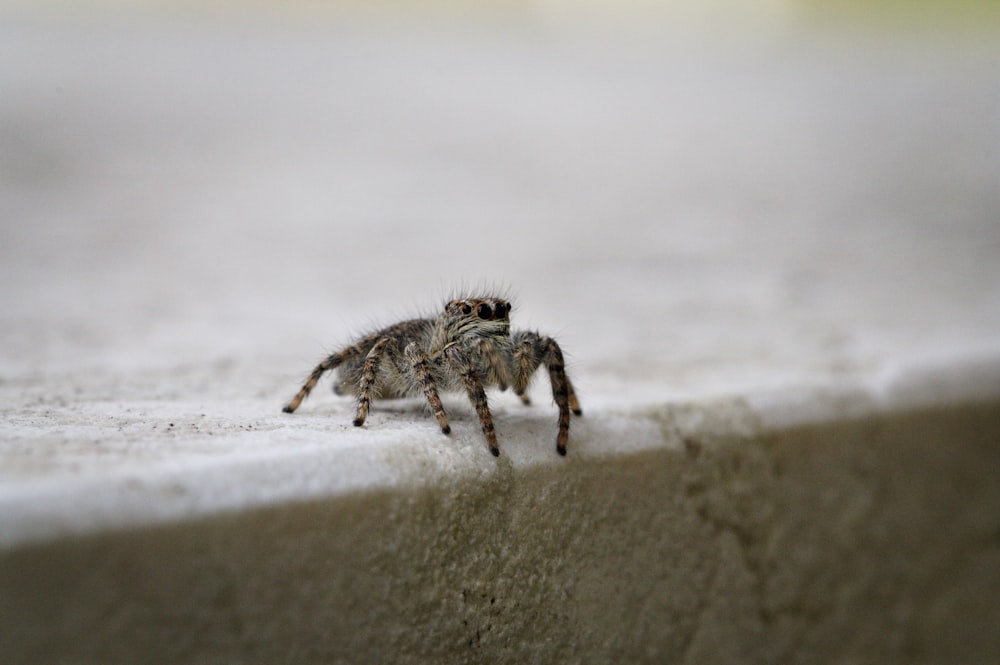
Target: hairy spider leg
x=560 y=389
x=332 y=361
x=422 y=373
x=532 y=351
x=369 y=373
x=477 y=395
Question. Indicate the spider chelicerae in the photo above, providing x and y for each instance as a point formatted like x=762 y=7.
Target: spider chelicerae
x=468 y=347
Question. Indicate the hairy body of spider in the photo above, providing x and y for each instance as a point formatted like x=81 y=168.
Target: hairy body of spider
x=468 y=347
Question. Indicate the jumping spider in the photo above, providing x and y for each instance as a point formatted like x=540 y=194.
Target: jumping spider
x=469 y=346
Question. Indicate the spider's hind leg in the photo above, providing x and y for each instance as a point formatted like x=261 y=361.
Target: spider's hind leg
x=332 y=361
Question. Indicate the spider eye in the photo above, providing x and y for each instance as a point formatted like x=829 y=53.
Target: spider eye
x=466 y=308
x=485 y=311
x=501 y=310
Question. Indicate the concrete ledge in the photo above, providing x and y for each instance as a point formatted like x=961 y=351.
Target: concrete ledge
x=868 y=540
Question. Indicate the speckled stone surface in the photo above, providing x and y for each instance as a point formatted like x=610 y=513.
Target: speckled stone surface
x=774 y=265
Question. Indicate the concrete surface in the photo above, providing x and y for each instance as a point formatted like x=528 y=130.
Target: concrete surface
x=772 y=260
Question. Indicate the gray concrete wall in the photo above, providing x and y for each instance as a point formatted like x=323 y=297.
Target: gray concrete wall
x=869 y=540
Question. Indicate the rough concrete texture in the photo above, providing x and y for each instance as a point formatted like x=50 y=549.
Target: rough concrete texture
x=774 y=260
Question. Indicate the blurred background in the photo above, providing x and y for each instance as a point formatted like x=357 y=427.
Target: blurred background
x=672 y=188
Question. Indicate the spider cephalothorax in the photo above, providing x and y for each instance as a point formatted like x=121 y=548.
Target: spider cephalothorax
x=468 y=347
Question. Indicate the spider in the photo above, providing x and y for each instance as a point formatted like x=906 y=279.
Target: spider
x=469 y=346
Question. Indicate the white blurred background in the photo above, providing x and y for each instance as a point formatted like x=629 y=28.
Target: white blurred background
x=671 y=188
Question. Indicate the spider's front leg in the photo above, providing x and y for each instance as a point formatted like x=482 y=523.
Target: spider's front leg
x=474 y=387
x=532 y=350
x=421 y=371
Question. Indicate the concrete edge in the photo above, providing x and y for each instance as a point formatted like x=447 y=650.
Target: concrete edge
x=47 y=511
